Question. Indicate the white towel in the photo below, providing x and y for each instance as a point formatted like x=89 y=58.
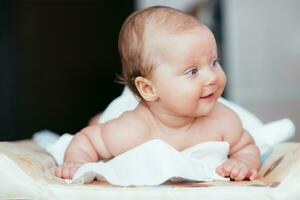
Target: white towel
x=150 y=164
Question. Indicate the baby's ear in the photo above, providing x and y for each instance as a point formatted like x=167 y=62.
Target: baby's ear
x=145 y=88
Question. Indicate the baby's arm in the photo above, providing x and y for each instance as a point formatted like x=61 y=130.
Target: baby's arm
x=243 y=161
x=86 y=146
x=103 y=141
x=244 y=155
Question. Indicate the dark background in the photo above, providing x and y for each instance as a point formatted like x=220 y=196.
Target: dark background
x=58 y=61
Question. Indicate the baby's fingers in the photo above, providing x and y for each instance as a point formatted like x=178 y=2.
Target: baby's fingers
x=62 y=171
x=235 y=171
x=225 y=169
x=58 y=171
x=74 y=168
x=241 y=175
x=222 y=171
x=219 y=171
x=66 y=172
x=252 y=174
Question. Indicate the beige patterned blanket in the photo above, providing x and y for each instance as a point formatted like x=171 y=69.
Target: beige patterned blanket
x=26 y=172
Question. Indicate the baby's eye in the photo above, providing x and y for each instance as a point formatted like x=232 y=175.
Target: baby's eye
x=192 y=72
x=215 y=63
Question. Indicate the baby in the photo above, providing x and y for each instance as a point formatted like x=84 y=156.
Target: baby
x=170 y=61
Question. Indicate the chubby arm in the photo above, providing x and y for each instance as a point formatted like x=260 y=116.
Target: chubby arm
x=86 y=146
x=244 y=155
x=102 y=141
x=244 y=159
x=246 y=151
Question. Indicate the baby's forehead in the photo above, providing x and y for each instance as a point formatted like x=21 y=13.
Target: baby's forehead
x=184 y=46
x=165 y=38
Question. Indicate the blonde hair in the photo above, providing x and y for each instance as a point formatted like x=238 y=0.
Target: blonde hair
x=135 y=57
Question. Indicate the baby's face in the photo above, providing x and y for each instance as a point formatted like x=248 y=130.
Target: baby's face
x=189 y=78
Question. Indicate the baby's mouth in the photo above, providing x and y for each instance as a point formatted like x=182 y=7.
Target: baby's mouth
x=209 y=96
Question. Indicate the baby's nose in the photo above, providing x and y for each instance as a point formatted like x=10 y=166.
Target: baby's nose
x=210 y=76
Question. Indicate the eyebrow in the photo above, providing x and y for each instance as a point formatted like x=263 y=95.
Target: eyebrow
x=190 y=63
x=192 y=59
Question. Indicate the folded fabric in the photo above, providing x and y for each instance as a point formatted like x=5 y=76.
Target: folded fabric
x=155 y=162
x=151 y=163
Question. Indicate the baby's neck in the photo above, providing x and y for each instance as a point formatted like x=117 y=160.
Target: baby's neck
x=168 y=119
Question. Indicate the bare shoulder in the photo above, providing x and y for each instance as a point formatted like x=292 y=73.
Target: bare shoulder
x=125 y=132
x=229 y=122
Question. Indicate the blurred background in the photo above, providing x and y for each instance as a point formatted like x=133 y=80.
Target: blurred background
x=59 y=58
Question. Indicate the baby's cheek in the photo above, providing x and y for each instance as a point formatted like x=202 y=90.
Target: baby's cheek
x=221 y=79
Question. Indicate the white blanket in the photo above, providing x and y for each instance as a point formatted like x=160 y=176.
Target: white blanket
x=151 y=163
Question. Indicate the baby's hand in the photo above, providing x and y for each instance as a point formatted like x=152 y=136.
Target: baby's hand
x=236 y=170
x=67 y=169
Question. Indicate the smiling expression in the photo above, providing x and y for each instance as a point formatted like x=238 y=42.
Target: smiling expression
x=189 y=79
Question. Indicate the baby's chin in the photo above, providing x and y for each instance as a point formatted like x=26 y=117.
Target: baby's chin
x=206 y=109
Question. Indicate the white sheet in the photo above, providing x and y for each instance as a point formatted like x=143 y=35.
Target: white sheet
x=151 y=163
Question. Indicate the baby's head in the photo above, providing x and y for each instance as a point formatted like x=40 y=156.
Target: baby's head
x=156 y=44
x=139 y=33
